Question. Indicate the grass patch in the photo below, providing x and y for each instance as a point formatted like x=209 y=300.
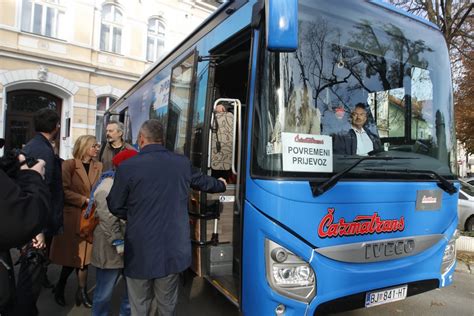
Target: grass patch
x=468 y=234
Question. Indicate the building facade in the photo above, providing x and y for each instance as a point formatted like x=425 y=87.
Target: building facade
x=78 y=57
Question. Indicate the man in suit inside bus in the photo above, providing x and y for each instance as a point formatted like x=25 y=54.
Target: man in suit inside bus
x=151 y=192
x=359 y=140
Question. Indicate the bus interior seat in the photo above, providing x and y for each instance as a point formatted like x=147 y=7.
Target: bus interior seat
x=221 y=144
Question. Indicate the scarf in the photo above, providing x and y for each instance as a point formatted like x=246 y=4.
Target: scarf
x=106 y=174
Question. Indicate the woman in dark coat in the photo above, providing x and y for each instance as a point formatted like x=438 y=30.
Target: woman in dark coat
x=69 y=249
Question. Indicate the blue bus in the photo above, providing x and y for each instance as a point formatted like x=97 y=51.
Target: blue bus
x=332 y=122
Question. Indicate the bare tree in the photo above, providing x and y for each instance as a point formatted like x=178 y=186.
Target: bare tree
x=452 y=17
x=465 y=108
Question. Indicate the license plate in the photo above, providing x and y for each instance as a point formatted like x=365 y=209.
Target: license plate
x=386 y=296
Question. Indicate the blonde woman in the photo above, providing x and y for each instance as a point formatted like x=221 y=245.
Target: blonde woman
x=69 y=250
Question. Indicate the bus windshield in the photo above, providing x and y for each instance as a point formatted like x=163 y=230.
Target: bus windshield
x=362 y=66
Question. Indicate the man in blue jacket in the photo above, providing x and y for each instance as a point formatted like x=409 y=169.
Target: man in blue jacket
x=151 y=192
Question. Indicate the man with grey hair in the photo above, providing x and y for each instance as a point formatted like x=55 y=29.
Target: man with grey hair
x=114 y=145
x=151 y=192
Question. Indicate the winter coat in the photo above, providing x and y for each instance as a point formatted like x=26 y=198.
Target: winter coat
x=151 y=191
x=110 y=228
x=23 y=208
x=69 y=249
x=24 y=203
x=40 y=148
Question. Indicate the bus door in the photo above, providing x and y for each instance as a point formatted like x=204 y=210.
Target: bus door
x=219 y=244
x=223 y=153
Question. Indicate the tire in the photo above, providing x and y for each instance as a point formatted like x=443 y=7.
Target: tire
x=470 y=224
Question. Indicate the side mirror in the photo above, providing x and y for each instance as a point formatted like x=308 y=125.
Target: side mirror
x=281 y=25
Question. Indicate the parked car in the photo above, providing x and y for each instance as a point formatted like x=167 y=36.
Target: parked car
x=466 y=207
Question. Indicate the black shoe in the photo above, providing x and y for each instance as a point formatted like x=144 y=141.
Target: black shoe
x=58 y=291
x=82 y=298
x=46 y=284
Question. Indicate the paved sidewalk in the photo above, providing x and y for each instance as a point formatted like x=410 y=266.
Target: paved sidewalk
x=465 y=262
x=465 y=253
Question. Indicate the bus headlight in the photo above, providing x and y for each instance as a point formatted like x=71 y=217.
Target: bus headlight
x=288 y=274
x=449 y=256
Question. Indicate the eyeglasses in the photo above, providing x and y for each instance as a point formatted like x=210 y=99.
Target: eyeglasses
x=96 y=146
x=359 y=114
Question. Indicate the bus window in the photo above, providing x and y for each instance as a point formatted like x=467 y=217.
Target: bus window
x=392 y=117
x=127 y=133
x=389 y=108
x=400 y=79
x=179 y=103
x=422 y=104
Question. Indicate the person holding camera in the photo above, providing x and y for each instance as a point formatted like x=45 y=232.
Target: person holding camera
x=24 y=203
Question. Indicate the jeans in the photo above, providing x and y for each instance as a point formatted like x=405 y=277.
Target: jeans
x=105 y=283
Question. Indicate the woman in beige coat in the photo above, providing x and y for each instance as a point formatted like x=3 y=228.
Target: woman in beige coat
x=69 y=250
x=108 y=246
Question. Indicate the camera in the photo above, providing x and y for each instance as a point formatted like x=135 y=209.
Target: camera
x=9 y=162
x=32 y=255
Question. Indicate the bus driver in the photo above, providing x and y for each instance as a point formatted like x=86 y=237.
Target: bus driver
x=359 y=140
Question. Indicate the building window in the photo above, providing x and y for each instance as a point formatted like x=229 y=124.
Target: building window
x=111 y=29
x=156 y=39
x=103 y=104
x=43 y=17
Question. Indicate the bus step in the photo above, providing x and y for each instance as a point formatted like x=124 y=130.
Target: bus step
x=227 y=285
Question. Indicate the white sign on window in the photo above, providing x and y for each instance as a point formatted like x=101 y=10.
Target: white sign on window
x=307 y=152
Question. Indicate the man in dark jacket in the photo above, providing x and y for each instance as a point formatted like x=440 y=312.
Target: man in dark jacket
x=33 y=271
x=359 y=140
x=46 y=122
x=24 y=203
x=151 y=192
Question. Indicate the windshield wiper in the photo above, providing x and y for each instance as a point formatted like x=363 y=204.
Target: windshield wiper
x=444 y=184
x=328 y=184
